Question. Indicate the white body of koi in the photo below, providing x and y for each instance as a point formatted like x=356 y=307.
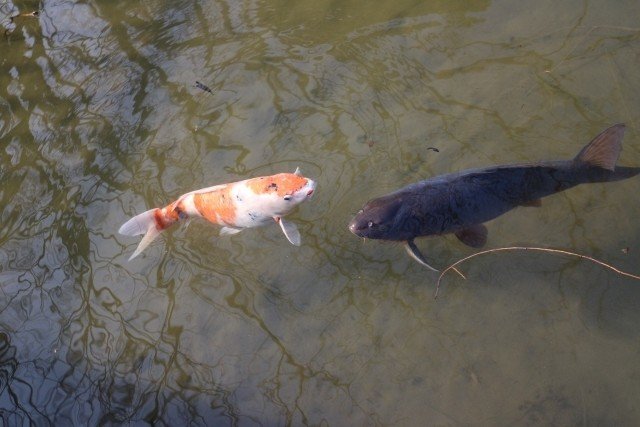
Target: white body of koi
x=234 y=206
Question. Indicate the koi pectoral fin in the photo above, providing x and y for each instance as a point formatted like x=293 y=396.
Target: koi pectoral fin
x=228 y=231
x=290 y=231
x=415 y=253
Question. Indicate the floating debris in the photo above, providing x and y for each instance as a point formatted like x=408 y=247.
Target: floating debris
x=203 y=87
x=17 y=19
x=33 y=14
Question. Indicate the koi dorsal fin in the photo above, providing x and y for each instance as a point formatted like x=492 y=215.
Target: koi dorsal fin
x=603 y=151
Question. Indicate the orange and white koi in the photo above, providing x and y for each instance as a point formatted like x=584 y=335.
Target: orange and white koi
x=235 y=206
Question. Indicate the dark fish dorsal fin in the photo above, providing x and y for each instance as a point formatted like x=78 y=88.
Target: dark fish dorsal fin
x=474 y=236
x=603 y=151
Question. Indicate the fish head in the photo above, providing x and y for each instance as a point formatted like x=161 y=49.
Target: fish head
x=293 y=188
x=379 y=219
x=280 y=193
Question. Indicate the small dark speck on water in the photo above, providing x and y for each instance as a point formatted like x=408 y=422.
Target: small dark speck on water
x=203 y=87
x=433 y=149
x=364 y=139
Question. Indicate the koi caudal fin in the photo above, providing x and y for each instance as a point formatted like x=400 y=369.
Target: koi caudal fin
x=145 y=223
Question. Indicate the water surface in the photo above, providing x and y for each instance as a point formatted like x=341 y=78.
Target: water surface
x=100 y=120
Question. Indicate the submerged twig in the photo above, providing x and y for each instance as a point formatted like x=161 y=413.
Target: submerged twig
x=33 y=14
x=16 y=20
x=530 y=248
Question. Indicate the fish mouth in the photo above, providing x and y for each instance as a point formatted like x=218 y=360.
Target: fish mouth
x=353 y=227
x=311 y=185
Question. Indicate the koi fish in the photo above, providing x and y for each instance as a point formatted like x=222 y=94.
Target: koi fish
x=235 y=206
x=461 y=202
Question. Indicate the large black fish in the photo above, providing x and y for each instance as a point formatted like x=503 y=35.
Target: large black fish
x=460 y=202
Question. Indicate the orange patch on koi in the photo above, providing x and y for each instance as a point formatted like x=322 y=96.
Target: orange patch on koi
x=217 y=206
x=280 y=184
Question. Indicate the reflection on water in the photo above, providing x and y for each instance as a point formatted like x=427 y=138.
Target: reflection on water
x=100 y=119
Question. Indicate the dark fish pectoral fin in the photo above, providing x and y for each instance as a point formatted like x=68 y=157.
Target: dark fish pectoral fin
x=474 y=236
x=603 y=151
x=415 y=253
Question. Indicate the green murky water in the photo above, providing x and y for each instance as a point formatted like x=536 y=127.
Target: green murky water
x=100 y=120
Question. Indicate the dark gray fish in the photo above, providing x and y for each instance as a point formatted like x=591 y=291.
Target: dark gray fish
x=460 y=202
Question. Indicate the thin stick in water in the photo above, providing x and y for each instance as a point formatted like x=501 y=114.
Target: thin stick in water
x=530 y=248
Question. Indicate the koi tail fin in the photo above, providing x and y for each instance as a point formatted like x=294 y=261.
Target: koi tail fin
x=146 y=224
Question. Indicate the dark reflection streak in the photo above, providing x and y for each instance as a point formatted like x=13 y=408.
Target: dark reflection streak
x=351 y=250
x=31 y=398
x=204 y=28
x=577 y=25
x=151 y=343
x=47 y=171
x=564 y=93
x=87 y=339
x=198 y=291
x=247 y=309
x=360 y=55
x=473 y=107
x=26 y=291
x=16 y=401
x=168 y=333
x=299 y=77
x=121 y=34
x=230 y=410
x=303 y=371
x=484 y=63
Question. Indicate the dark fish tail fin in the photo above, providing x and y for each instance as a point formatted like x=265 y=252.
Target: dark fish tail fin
x=598 y=158
x=603 y=151
x=621 y=172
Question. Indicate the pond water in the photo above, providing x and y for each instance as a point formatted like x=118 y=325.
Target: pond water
x=100 y=120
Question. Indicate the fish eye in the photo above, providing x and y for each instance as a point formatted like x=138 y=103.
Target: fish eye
x=370 y=224
x=288 y=197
